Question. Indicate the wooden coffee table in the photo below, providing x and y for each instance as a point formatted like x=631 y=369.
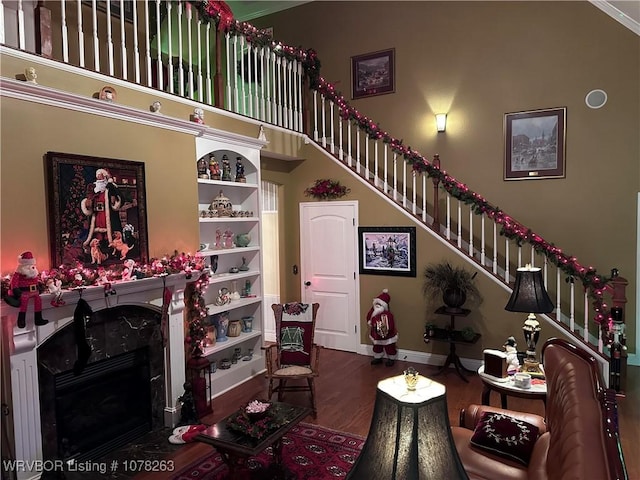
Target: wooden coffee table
x=236 y=447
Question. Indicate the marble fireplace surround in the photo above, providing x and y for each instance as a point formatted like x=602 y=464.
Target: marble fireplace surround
x=25 y=391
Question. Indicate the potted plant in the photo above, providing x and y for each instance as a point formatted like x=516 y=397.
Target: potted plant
x=454 y=285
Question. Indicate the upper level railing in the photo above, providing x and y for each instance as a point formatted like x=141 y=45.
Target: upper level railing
x=196 y=50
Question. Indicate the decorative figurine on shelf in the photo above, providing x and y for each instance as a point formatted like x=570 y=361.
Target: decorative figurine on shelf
x=226 y=169
x=228 y=239
x=221 y=205
x=54 y=286
x=214 y=263
x=31 y=75
x=223 y=297
x=214 y=168
x=383 y=333
x=244 y=267
x=108 y=94
x=26 y=281
x=202 y=169
x=511 y=347
x=128 y=270
x=218 y=239
x=197 y=116
x=156 y=106
x=240 y=171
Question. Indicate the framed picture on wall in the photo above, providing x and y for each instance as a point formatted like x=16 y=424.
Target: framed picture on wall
x=373 y=74
x=535 y=144
x=387 y=251
x=97 y=210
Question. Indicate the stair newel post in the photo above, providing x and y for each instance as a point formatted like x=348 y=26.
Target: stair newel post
x=436 y=183
x=618 y=348
x=218 y=78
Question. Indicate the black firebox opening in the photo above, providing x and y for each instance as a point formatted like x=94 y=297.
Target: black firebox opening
x=104 y=408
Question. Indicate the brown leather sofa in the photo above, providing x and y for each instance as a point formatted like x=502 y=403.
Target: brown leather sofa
x=578 y=439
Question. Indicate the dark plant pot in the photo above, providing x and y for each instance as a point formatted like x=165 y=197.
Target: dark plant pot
x=454 y=298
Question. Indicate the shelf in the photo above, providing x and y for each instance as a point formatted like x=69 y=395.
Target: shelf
x=213 y=309
x=224 y=277
x=228 y=219
x=232 y=341
x=224 y=380
x=226 y=251
x=452 y=336
x=221 y=183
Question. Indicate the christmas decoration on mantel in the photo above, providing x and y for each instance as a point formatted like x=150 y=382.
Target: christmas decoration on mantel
x=326 y=189
x=70 y=277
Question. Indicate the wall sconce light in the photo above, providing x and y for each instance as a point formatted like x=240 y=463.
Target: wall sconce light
x=441 y=122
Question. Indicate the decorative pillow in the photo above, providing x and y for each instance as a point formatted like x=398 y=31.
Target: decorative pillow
x=505 y=436
x=296 y=334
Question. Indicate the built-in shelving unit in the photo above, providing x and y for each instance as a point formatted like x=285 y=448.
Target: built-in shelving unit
x=232 y=267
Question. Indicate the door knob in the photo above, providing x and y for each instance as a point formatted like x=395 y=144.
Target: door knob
x=307 y=284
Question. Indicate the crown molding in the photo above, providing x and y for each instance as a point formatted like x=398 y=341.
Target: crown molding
x=624 y=17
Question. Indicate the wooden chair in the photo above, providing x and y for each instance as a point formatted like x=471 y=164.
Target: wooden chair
x=294 y=356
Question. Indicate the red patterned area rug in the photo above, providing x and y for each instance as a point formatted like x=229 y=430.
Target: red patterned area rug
x=309 y=452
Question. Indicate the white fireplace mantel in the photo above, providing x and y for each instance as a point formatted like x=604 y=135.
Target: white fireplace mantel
x=25 y=408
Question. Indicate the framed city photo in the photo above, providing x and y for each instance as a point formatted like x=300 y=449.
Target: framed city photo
x=97 y=210
x=387 y=251
x=373 y=74
x=535 y=144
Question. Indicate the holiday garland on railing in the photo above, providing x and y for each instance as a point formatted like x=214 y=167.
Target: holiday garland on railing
x=196 y=315
x=510 y=228
x=220 y=14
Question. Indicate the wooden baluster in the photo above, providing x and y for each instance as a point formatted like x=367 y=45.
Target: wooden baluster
x=436 y=183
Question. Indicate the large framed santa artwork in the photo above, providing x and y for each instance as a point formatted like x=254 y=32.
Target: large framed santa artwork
x=97 y=210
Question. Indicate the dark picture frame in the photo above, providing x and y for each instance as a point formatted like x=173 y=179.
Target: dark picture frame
x=387 y=251
x=86 y=228
x=373 y=74
x=535 y=145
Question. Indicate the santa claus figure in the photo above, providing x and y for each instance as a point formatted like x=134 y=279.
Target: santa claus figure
x=101 y=205
x=27 y=280
x=382 y=330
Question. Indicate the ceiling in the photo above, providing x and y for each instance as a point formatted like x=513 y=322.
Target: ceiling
x=627 y=12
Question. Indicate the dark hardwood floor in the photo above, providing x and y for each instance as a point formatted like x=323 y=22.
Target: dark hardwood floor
x=346 y=394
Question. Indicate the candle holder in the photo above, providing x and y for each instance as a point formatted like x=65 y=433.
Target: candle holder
x=411 y=378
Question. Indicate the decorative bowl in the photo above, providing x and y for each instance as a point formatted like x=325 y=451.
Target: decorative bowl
x=257 y=410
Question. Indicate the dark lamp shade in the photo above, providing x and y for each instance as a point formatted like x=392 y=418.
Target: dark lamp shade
x=529 y=294
x=410 y=436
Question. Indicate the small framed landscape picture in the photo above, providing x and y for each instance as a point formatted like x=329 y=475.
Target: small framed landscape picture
x=535 y=144
x=387 y=251
x=373 y=74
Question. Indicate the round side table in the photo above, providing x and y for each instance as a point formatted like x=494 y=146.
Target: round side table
x=506 y=387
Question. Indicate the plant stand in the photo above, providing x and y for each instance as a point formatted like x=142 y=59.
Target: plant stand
x=454 y=337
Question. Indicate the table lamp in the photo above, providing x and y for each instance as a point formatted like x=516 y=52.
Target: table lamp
x=410 y=436
x=530 y=296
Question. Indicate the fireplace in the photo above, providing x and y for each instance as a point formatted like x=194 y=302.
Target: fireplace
x=126 y=319
x=117 y=397
x=106 y=407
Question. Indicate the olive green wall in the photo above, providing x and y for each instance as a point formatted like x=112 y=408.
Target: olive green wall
x=480 y=60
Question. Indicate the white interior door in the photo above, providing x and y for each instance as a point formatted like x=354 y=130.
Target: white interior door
x=328 y=270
